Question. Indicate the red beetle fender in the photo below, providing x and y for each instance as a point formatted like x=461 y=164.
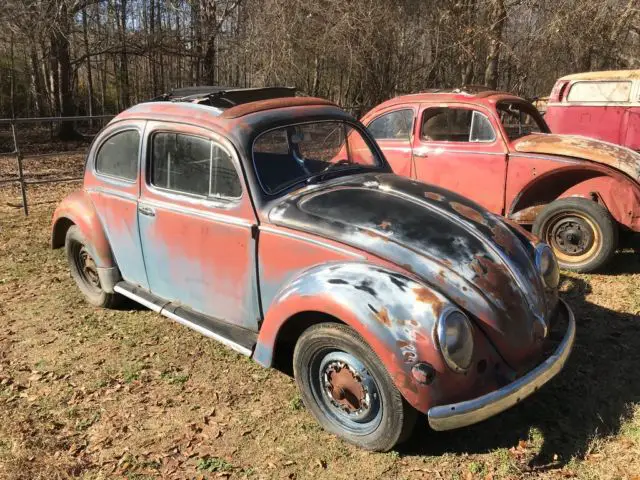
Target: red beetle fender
x=78 y=209
x=395 y=315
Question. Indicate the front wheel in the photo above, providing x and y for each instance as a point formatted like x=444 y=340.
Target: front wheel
x=581 y=232
x=348 y=390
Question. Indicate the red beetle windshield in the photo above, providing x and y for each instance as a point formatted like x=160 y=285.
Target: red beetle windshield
x=289 y=155
x=520 y=119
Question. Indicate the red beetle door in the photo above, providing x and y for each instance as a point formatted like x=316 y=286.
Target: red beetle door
x=459 y=147
x=197 y=224
x=393 y=132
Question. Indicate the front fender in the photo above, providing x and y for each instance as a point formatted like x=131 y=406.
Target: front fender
x=78 y=209
x=394 y=314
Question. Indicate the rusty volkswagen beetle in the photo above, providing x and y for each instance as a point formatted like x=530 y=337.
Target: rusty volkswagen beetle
x=277 y=228
x=580 y=195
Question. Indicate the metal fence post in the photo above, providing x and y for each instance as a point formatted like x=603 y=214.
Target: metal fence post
x=23 y=185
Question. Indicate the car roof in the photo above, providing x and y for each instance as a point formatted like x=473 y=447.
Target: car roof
x=214 y=117
x=605 y=75
x=490 y=96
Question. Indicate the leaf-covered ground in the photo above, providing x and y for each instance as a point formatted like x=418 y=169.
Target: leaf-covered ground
x=91 y=393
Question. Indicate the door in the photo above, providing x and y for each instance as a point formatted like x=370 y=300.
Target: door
x=392 y=131
x=197 y=224
x=457 y=147
x=113 y=184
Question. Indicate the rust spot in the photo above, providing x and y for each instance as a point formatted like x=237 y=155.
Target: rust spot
x=403 y=344
x=527 y=215
x=384 y=225
x=468 y=212
x=260 y=106
x=410 y=323
x=425 y=295
x=434 y=196
x=383 y=317
x=408 y=267
x=409 y=357
x=504 y=238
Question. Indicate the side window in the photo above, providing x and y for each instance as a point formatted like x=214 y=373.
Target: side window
x=444 y=124
x=118 y=155
x=599 y=92
x=481 y=129
x=394 y=125
x=194 y=165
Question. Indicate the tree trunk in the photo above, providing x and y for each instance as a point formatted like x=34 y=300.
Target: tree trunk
x=89 y=75
x=497 y=17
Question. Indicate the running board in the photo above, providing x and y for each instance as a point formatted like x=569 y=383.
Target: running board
x=239 y=339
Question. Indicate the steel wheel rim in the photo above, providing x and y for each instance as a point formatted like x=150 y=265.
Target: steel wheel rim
x=87 y=268
x=345 y=391
x=574 y=237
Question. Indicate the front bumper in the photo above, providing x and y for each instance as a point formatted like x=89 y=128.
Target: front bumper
x=456 y=415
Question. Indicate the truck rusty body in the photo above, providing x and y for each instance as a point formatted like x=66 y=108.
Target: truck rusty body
x=278 y=228
x=578 y=194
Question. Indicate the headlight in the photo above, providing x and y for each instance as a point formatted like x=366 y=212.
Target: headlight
x=547 y=265
x=455 y=337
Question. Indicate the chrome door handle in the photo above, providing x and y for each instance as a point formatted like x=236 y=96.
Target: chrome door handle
x=148 y=211
x=421 y=154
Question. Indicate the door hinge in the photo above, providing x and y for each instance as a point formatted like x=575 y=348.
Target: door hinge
x=254 y=231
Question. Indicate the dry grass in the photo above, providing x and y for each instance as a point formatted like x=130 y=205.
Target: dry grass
x=90 y=393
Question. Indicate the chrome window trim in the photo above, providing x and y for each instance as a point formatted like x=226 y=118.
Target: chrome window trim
x=411 y=127
x=155 y=188
x=113 y=178
x=454 y=142
x=366 y=136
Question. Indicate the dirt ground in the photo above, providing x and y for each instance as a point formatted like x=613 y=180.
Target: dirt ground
x=90 y=393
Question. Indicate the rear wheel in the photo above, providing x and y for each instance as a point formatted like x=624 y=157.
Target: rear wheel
x=85 y=271
x=348 y=390
x=582 y=233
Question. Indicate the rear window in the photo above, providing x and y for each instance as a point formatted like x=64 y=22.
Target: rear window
x=118 y=155
x=599 y=92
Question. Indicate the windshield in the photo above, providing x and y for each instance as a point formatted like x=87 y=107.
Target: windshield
x=308 y=152
x=519 y=119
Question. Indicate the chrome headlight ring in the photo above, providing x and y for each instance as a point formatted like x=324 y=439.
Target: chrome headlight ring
x=547 y=265
x=455 y=337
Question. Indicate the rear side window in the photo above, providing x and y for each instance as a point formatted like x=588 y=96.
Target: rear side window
x=456 y=125
x=599 y=92
x=193 y=165
x=393 y=126
x=118 y=155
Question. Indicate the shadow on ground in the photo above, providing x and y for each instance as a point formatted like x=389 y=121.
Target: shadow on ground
x=591 y=397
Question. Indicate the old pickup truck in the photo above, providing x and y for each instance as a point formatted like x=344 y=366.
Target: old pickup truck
x=580 y=195
x=277 y=228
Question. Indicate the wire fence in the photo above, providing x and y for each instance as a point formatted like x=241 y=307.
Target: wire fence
x=37 y=138
x=20 y=151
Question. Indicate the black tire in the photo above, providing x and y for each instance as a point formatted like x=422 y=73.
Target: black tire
x=581 y=232
x=84 y=272
x=392 y=418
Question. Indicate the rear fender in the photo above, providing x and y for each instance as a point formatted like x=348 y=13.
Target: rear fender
x=78 y=209
x=394 y=314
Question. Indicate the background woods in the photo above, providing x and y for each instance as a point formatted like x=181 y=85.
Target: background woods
x=71 y=57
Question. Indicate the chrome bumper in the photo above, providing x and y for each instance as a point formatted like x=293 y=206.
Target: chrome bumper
x=455 y=415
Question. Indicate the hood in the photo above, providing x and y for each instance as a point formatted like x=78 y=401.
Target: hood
x=616 y=156
x=466 y=253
